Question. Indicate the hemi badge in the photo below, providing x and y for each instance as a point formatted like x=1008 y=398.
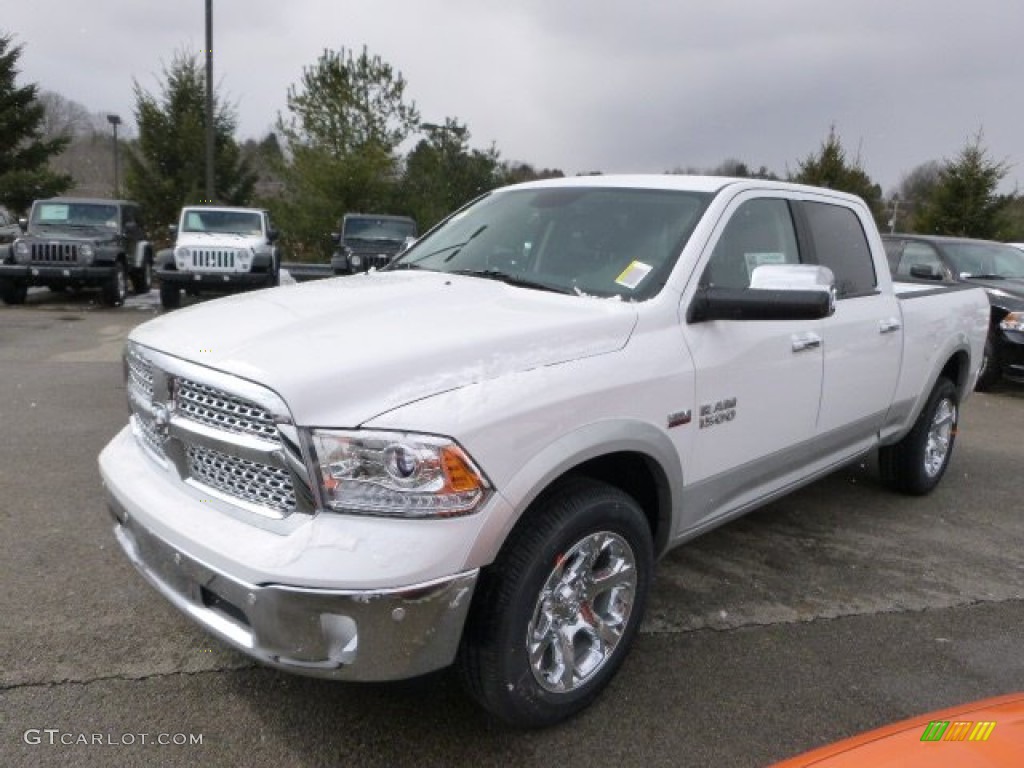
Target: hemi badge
x=679 y=419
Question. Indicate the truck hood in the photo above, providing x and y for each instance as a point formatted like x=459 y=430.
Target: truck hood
x=342 y=351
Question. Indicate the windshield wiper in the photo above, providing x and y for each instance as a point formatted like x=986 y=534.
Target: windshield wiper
x=985 y=277
x=505 y=277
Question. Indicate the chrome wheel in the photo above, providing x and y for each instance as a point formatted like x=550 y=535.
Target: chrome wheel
x=940 y=435
x=582 y=611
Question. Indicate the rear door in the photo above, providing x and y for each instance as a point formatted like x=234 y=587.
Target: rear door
x=863 y=340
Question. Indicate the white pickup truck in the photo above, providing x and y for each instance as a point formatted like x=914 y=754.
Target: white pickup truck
x=476 y=455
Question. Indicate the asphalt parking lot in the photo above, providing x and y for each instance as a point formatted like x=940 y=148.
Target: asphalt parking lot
x=834 y=610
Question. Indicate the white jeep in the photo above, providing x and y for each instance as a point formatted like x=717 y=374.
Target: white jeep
x=219 y=250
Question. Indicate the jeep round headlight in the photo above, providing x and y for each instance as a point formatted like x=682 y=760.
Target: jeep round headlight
x=182 y=257
x=1014 y=321
x=244 y=258
x=22 y=252
x=396 y=474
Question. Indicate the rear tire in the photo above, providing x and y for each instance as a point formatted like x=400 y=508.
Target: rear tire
x=13 y=291
x=170 y=296
x=554 y=616
x=916 y=464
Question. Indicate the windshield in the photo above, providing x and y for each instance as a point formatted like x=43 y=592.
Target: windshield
x=599 y=241
x=378 y=229
x=985 y=259
x=222 y=222
x=75 y=215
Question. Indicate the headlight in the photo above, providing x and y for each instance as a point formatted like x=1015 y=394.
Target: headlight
x=355 y=260
x=243 y=259
x=22 y=252
x=182 y=257
x=87 y=253
x=396 y=474
x=1013 y=322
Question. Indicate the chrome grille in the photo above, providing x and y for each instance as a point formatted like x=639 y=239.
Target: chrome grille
x=140 y=375
x=216 y=408
x=249 y=481
x=218 y=433
x=214 y=259
x=59 y=253
x=152 y=439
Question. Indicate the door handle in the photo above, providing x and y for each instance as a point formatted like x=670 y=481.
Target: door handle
x=889 y=325
x=805 y=341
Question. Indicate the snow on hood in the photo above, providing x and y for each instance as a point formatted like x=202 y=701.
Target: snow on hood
x=207 y=239
x=343 y=350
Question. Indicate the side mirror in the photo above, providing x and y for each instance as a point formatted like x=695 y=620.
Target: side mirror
x=336 y=238
x=776 y=292
x=23 y=224
x=925 y=272
x=172 y=230
x=272 y=235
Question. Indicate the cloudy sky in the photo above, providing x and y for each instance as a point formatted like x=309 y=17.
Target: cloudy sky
x=645 y=85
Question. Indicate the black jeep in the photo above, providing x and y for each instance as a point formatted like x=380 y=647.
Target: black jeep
x=368 y=241
x=71 y=243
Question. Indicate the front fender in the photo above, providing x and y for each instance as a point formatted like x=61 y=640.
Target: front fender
x=568 y=452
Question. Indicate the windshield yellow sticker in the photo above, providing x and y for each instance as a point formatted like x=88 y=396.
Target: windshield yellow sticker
x=634 y=274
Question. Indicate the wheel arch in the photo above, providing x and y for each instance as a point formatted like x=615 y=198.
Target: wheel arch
x=636 y=458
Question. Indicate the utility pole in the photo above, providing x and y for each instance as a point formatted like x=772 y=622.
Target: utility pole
x=115 y=120
x=209 y=104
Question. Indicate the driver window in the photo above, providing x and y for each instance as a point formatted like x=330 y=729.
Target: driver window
x=759 y=232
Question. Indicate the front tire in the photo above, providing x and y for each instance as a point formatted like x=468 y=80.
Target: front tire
x=916 y=464
x=13 y=291
x=115 y=289
x=554 y=616
x=170 y=296
x=990 y=366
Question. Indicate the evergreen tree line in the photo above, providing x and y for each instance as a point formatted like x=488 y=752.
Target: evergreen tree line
x=338 y=148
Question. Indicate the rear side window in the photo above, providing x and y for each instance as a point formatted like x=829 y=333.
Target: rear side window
x=841 y=245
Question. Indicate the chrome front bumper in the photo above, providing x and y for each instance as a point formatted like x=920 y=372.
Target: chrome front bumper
x=344 y=635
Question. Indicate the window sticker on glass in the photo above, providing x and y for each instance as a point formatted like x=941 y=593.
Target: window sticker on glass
x=634 y=274
x=755 y=260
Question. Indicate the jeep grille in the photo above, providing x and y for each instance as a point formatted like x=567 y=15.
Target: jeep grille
x=214 y=259
x=54 y=253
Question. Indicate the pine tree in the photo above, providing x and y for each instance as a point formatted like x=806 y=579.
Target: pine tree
x=167 y=167
x=25 y=174
x=964 y=201
x=830 y=168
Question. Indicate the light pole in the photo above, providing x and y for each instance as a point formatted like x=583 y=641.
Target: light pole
x=115 y=120
x=209 y=103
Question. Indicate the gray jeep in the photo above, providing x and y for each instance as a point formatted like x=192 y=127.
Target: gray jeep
x=70 y=243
